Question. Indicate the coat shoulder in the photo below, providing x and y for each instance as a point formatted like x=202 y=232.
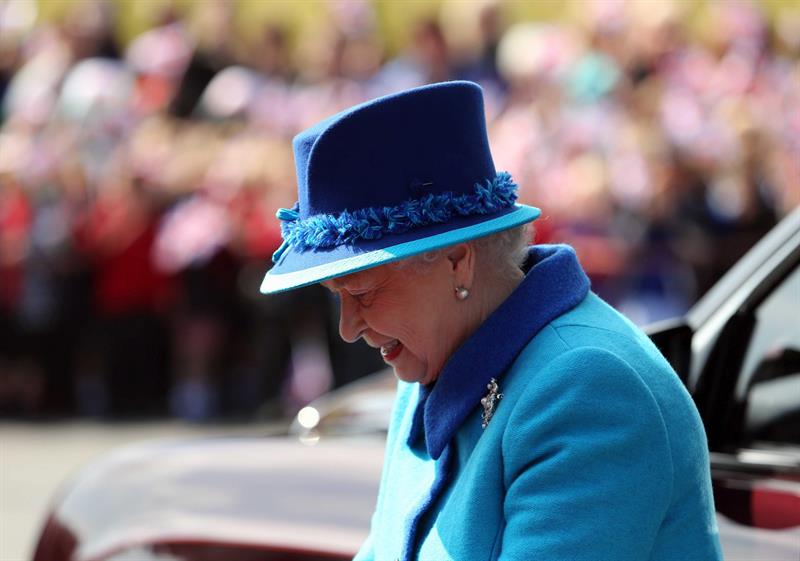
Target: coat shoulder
x=592 y=346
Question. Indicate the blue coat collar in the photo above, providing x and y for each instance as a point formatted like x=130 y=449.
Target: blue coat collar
x=553 y=285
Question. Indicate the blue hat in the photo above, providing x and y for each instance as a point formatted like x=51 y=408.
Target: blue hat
x=391 y=178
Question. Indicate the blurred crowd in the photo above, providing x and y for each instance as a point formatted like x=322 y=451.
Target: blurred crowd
x=139 y=181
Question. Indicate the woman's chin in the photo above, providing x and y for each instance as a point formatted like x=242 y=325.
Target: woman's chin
x=411 y=376
x=407 y=367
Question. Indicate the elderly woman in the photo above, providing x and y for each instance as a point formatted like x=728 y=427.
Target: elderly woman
x=532 y=421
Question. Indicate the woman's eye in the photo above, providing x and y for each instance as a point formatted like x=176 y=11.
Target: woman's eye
x=363 y=298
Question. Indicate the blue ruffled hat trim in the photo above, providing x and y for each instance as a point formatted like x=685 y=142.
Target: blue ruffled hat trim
x=325 y=231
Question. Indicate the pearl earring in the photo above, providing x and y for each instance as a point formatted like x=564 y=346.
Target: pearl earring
x=462 y=293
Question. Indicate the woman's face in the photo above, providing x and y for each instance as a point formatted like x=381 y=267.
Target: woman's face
x=412 y=316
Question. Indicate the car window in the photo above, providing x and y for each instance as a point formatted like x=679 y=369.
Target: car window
x=769 y=383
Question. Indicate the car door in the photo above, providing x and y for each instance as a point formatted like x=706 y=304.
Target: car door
x=750 y=398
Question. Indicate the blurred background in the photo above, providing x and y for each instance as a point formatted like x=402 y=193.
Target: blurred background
x=145 y=146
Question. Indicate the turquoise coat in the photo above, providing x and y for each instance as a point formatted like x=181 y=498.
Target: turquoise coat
x=595 y=451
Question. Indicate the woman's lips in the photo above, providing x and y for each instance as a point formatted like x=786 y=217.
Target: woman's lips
x=390 y=350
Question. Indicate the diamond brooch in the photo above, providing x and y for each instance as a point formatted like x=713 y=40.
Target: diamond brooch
x=490 y=402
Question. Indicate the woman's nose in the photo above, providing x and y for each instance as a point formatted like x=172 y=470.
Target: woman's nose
x=351 y=324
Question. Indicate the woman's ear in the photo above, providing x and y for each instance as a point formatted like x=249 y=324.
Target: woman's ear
x=461 y=260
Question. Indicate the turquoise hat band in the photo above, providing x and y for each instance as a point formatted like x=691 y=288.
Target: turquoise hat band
x=371 y=223
x=279 y=282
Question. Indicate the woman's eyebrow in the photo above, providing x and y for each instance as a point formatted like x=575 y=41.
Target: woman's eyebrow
x=350 y=283
x=331 y=285
x=336 y=285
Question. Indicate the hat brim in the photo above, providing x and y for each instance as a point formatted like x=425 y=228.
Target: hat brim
x=296 y=269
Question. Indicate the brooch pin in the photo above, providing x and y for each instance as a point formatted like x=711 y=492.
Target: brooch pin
x=490 y=402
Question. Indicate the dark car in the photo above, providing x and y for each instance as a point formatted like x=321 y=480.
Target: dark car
x=309 y=495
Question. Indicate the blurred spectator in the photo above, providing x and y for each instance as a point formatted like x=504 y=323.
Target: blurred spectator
x=138 y=181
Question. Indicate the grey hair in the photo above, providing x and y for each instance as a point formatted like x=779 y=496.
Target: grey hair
x=504 y=252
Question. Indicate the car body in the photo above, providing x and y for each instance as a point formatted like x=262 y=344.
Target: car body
x=309 y=495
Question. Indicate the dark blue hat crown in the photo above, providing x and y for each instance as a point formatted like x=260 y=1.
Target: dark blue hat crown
x=394 y=148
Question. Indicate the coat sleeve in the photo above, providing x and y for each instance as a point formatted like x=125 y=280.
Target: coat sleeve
x=403 y=401
x=588 y=467
x=367 y=551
